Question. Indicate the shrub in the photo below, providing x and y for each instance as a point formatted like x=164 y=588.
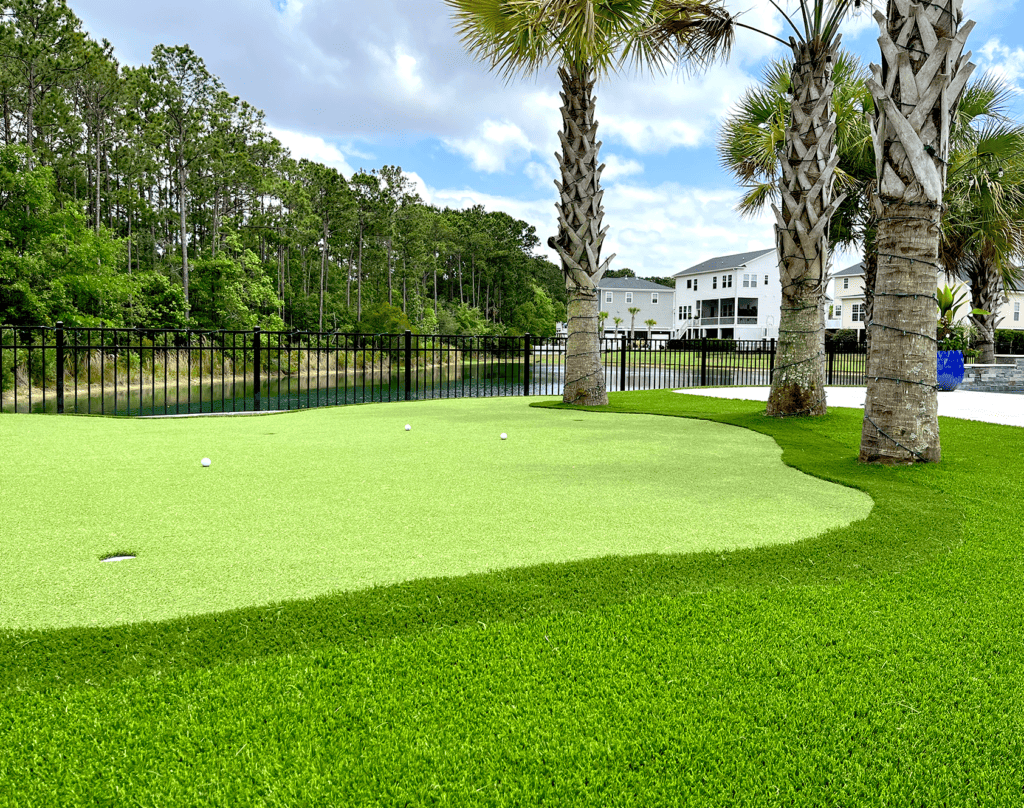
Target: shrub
x=1009 y=341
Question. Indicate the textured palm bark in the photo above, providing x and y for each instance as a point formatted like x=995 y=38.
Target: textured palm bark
x=916 y=91
x=986 y=294
x=901 y=407
x=870 y=276
x=801 y=233
x=580 y=237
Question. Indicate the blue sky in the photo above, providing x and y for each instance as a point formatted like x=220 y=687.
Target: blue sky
x=359 y=84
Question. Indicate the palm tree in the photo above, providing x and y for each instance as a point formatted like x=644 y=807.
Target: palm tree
x=650 y=324
x=916 y=92
x=633 y=312
x=601 y=317
x=983 y=226
x=753 y=137
x=807 y=207
x=587 y=40
x=982 y=195
x=618 y=322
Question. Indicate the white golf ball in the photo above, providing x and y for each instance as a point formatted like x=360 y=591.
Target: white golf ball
x=205 y=461
x=407 y=427
x=503 y=436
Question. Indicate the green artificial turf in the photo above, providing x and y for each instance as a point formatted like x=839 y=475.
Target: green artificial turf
x=878 y=664
x=307 y=503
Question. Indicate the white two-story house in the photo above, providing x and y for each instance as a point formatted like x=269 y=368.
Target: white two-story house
x=848 y=300
x=619 y=295
x=730 y=297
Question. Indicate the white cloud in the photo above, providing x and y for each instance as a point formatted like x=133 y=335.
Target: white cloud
x=617 y=167
x=664 y=229
x=313 y=148
x=405 y=70
x=653 y=230
x=542 y=175
x=493 y=146
x=1007 y=63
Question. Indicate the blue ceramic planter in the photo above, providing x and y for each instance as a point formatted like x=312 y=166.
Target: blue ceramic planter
x=951 y=369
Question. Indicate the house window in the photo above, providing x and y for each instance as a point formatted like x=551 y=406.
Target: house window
x=765 y=280
x=629 y=297
x=714 y=282
x=1016 y=312
x=846 y=283
x=857 y=312
x=689 y=283
x=839 y=311
x=607 y=297
x=747 y=307
x=727 y=281
x=746 y=281
x=654 y=298
x=680 y=312
x=695 y=284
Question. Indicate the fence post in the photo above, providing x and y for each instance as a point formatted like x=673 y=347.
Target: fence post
x=408 y=365
x=830 y=350
x=60 y=367
x=256 y=368
x=704 y=361
x=771 y=361
x=527 y=350
x=622 y=363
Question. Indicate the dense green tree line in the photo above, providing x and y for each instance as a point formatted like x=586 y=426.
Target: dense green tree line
x=151 y=196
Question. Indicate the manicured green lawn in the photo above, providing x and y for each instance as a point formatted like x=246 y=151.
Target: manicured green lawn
x=879 y=663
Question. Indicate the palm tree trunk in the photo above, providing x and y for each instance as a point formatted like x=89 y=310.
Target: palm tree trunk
x=870 y=276
x=580 y=237
x=986 y=294
x=916 y=92
x=801 y=235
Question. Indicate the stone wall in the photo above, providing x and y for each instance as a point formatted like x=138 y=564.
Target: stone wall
x=1001 y=378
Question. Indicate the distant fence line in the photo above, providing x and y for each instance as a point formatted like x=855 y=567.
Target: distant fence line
x=118 y=371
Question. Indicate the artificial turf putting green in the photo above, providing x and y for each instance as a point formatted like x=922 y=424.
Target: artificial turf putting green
x=303 y=504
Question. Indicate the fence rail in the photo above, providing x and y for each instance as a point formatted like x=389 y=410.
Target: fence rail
x=112 y=371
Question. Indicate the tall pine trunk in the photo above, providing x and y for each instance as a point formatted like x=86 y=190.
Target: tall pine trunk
x=802 y=232
x=916 y=92
x=184 y=232
x=580 y=237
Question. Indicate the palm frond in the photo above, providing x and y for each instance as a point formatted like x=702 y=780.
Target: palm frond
x=757 y=198
x=699 y=31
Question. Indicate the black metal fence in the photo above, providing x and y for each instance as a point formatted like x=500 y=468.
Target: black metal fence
x=114 y=371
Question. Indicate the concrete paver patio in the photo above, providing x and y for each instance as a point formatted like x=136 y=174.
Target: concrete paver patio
x=995 y=408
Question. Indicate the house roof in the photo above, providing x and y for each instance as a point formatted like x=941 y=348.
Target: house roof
x=632 y=283
x=856 y=269
x=724 y=262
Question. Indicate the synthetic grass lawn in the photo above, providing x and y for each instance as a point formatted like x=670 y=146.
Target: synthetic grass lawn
x=307 y=503
x=877 y=664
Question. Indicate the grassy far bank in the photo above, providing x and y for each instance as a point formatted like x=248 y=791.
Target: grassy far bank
x=878 y=664
x=306 y=503
x=716 y=360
